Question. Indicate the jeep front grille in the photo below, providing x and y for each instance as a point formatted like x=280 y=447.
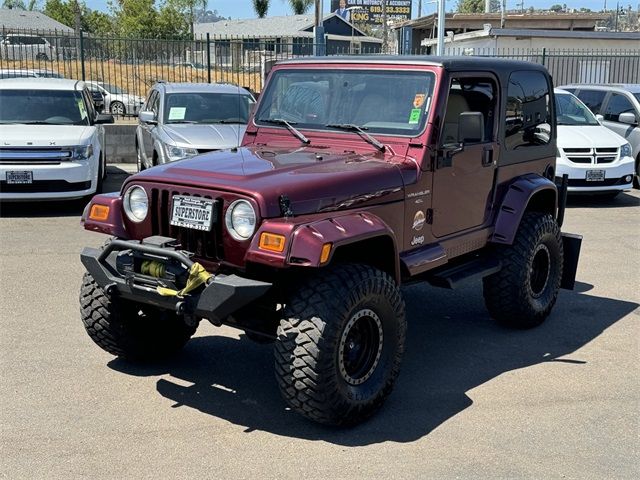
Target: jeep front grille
x=31 y=155
x=590 y=156
x=207 y=245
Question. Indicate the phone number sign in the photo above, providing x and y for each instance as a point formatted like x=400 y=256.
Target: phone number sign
x=370 y=11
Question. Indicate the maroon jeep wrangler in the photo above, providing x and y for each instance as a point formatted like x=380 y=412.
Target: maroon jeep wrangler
x=355 y=176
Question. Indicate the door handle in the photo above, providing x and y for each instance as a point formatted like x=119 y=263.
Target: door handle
x=487 y=156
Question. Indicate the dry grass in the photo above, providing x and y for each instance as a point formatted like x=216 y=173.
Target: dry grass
x=137 y=78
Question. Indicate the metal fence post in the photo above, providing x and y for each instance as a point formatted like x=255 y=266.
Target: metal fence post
x=544 y=56
x=208 y=57
x=82 y=55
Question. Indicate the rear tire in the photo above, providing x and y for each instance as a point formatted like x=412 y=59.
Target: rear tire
x=522 y=294
x=340 y=344
x=129 y=330
x=117 y=108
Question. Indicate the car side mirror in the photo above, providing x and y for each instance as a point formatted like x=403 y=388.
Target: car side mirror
x=103 y=118
x=628 y=118
x=470 y=127
x=147 y=117
x=600 y=118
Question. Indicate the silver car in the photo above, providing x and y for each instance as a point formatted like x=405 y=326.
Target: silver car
x=618 y=108
x=180 y=120
x=117 y=101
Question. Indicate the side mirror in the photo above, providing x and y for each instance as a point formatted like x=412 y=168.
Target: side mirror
x=470 y=127
x=147 y=117
x=103 y=118
x=628 y=118
x=600 y=118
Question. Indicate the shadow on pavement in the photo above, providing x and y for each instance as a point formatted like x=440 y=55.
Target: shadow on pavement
x=623 y=200
x=452 y=347
x=61 y=208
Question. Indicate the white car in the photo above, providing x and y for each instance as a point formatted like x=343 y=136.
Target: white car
x=18 y=46
x=596 y=159
x=116 y=100
x=51 y=140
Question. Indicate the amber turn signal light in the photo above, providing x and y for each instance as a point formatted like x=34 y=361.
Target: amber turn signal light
x=272 y=242
x=326 y=250
x=99 y=212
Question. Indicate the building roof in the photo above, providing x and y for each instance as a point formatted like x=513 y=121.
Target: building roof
x=464 y=22
x=532 y=33
x=283 y=27
x=15 y=19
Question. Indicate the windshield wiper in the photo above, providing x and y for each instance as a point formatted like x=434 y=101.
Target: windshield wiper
x=182 y=121
x=290 y=127
x=355 y=128
x=31 y=123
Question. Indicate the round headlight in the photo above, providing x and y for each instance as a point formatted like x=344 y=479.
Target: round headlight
x=136 y=204
x=240 y=220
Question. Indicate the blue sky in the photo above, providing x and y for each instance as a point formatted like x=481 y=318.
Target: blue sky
x=243 y=9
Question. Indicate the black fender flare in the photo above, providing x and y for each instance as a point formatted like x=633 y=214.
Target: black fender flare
x=528 y=192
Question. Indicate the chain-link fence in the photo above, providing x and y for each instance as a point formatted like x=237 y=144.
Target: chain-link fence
x=123 y=69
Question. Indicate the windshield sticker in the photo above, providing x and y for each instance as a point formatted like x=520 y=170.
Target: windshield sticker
x=419 y=99
x=82 y=109
x=177 y=113
x=415 y=116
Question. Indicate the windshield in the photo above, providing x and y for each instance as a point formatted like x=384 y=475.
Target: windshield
x=386 y=102
x=52 y=107
x=206 y=107
x=113 y=89
x=571 y=111
x=637 y=95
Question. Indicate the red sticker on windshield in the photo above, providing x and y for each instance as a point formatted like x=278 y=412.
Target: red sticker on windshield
x=419 y=99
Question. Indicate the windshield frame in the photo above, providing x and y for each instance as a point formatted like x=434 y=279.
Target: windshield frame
x=580 y=104
x=384 y=69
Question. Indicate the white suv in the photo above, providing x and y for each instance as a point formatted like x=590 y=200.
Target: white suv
x=51 y=140
x=16 y=46
x=595 y=158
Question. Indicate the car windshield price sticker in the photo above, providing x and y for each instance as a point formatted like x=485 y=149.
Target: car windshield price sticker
x=177 y=113
x=415 y=116
x=192 y=212
x=17 y=178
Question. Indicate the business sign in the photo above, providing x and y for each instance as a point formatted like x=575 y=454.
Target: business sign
x=370 y=11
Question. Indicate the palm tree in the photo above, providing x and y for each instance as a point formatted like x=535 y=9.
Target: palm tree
x=300 y=6
x=261 y=7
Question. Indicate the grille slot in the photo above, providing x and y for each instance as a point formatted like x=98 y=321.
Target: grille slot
x=605 y=159
x=44 y=156
x=206 y=245
x=577 y=150
x=607 y=150
x=580 y=159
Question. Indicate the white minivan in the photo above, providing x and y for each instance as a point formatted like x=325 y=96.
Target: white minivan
x=596 y=159
x=51 y=140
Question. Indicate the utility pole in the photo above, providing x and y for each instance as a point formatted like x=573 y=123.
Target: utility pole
x=384 y=26
x=617 y=12
x=487 y=6
x=78 y=17
x=319 y=45
x=441 y=8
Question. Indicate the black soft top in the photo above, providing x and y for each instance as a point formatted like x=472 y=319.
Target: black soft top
x=501 y=67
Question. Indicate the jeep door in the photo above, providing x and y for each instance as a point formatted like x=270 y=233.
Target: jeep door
x=464 y=171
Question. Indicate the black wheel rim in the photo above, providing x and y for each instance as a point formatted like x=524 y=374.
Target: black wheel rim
x=360 y=347
x=540 y=270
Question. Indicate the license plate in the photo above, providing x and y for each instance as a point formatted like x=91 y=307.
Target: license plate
x=16 y=178
x=595 y=175
x=192 y=212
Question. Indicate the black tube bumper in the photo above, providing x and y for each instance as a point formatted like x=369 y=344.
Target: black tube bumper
x=223 y=294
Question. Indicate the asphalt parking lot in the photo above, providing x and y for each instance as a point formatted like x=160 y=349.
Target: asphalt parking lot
x=473 y=400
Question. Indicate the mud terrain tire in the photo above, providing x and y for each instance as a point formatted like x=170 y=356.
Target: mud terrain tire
x=129 y=330
x=340 y=344
x=522 y=294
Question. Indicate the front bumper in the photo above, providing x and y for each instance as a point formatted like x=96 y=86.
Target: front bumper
x=215 y=301
x=615 y=174
x=66 y=180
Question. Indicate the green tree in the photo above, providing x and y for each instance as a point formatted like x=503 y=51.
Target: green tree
x=261 y=7
x=556 y=8
x=187 y=9
x=91 y=21
x=300 y=7
x=471 y=6
x=20 y=4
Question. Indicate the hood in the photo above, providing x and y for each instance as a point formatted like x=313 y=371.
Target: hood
x=313 y=180
x=44 y=135
x=206 y=136
x=570 y=136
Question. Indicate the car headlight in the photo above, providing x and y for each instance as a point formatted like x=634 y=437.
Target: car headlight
x=82 y=152
x=178 y=153
x=136 y=204
x=240 y=220
x=625 y=150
